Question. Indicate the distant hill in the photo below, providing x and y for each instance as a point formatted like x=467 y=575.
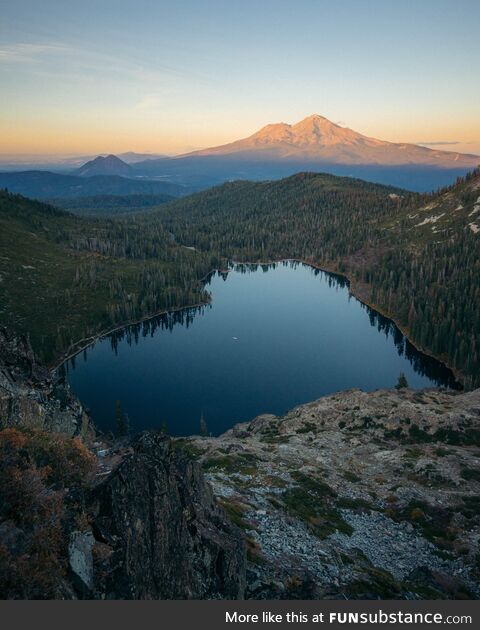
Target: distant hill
x=66 y=164
x=47 y=185
x=109 y=165
x=315 y=144
x=114 y=165
x=130 y=157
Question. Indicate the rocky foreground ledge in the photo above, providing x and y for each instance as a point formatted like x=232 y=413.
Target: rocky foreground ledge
x=356 y=495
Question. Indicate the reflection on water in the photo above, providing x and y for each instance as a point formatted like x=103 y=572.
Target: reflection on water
x=274 y=336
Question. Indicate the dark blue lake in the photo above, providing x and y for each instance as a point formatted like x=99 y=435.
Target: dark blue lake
x=273 y=337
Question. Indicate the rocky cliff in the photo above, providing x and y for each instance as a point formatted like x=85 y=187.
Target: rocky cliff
x=159 y=532
x=30 y=396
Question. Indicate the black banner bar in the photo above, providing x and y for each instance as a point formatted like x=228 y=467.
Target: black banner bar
x=222 y=615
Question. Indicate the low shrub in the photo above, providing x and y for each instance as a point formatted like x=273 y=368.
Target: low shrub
x=38 y=471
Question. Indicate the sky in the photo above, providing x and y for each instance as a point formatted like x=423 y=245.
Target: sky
x=101 y=76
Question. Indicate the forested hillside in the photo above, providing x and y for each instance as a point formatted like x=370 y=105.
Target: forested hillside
x=110 y=205
x=416 y=257
x=65 y=278
x=46 y=185
x=429 y=278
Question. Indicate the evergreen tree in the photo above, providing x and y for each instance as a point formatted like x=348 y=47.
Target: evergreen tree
x=121 y=421
x=203 y=426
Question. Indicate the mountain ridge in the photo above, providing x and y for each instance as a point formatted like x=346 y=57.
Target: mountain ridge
x=39 y=184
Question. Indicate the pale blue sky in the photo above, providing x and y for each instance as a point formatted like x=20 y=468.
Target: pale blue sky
x=112 y=75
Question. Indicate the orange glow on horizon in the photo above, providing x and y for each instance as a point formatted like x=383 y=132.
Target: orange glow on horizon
x=51 y=138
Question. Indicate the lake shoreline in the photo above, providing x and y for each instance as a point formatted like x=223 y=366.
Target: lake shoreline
x=355 y=289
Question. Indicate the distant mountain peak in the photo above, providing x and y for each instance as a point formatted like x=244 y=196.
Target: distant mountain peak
x=318 y=140
x=317 y=121
x=108 y=165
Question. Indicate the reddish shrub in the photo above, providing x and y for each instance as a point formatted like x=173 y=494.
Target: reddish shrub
x=36 y=471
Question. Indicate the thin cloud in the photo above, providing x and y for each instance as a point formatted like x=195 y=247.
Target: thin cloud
x=75 y=64
x=149 y=104
x=29 y=52
x=439 y=143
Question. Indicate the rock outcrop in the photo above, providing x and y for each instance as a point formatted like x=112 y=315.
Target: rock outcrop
x=159 y=532
x=30 y=396
x=357 y=495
